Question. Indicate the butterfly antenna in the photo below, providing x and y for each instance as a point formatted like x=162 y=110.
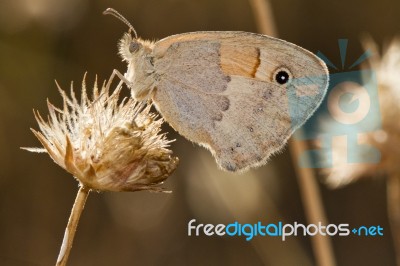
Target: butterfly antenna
x=115 y=13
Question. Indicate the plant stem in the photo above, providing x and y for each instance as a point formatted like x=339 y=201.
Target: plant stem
x=309 y=190
x=69 y=234
x=312 y=201
x=393 y=203
x=264 y=17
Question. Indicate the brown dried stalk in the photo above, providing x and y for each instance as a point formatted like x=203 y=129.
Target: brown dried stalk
x=307 y=180
x=73 y=221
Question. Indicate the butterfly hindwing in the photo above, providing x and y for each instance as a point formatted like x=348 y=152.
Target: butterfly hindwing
x=219 y=89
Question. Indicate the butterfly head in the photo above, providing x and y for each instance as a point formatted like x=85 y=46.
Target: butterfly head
x=131 y=47
x=136 y=52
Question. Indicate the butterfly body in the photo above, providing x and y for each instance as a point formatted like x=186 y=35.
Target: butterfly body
x=239 y=94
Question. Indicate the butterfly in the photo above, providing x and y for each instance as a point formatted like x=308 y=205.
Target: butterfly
x=241 y=95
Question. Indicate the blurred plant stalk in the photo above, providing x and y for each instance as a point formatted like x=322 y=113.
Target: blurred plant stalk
x=309 y=190
x=386 y=139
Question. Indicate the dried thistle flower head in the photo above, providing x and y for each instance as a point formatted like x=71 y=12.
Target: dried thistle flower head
x=387 y=138
x=106 y=143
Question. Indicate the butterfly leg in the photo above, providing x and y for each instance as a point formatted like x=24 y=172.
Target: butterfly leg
x=120 y=76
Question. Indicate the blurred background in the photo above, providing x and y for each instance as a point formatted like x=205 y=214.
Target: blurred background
x=44 y=40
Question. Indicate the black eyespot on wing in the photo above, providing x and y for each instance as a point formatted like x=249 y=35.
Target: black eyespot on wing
x=282 y=76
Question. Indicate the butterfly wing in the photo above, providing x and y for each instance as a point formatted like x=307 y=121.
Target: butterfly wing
x=219 y=89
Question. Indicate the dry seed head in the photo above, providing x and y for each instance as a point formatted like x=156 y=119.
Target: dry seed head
x=106 y=143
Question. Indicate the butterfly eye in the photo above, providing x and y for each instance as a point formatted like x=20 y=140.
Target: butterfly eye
x=133 y=47
x=282 y=76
